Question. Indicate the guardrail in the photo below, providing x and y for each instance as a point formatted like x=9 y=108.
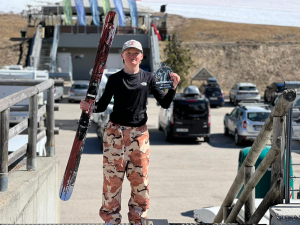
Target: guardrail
x=36 y=49
x=273 y=125
x=97 y=30
x=31 y=123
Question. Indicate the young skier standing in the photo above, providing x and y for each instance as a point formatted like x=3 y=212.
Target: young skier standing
x=126 y=138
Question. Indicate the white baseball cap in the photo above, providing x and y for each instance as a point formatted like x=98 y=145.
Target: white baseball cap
x=132 y=44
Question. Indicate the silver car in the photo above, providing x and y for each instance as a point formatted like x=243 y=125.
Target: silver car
x=244 y=92
x=245 y=121
x=78 y=90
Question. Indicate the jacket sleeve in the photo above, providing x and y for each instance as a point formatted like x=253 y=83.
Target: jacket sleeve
x=164 y=99
x=101 y=105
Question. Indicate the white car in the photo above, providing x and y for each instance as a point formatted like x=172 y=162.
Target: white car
x=78 y=90
x=58 y=93
x=244 y=92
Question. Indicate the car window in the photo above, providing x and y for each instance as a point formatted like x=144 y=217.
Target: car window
x=246 y=88
x=237 y=114
x=232 y=114
x=79 y=86
x=240 y=117
x=258 y=116
x=297 y=102
x=212 y=90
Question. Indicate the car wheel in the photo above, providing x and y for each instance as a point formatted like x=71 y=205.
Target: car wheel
x=207 y=139
x=235 y=102
x=230 y=99
x=159 y=127
x=265 y=97
x=226 y=132
x=237 y=139
x=168 y=136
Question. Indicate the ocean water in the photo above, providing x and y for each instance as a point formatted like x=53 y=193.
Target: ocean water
x=268 y=12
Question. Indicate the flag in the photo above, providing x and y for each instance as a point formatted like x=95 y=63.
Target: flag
x=133 y=13
x=68 y=12
x=106 y=6
x=95 y=12
x=120 y=11
x=80 y=12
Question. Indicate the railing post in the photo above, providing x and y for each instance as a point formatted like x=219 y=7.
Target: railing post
x=250 y=203
x=50 y=151
x=278 y=166
x=4 y=130
x=32 y=133
x=288 y=155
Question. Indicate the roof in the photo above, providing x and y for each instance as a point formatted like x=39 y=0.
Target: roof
x=247 y=84
x=202 y=74
x=58 y=7
x=257 y=109
x=279 y=84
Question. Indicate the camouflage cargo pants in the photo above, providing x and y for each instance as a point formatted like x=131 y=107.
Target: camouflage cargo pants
x=125 y=150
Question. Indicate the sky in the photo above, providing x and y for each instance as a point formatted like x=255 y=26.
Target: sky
x=269 y=12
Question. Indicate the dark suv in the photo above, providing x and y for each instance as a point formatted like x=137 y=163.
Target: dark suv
x=213 y=93
x=273 y=91
x=188 y=116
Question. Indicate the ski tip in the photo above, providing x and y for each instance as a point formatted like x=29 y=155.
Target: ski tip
x=65 y=194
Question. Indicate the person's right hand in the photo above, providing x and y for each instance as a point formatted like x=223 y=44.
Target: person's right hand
x=84 y=106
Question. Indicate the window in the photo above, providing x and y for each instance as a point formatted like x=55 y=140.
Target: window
x=258 y=116
x=232 y=114
x=247 y=88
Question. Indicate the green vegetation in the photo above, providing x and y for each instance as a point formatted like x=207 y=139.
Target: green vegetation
x=178 y=59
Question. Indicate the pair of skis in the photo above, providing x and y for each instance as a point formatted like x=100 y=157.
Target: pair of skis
x=108 y=32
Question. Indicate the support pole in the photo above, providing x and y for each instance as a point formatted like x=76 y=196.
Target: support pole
x=250 y=203
x=266 y=203
x=280 y=109
x=4 y=132
x=50 y=150
x=226 y=212
x=288 y=155
x=261 y=170
x=278 y=166
x=32 y=133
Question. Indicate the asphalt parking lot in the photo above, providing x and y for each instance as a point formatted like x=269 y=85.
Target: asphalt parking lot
x=183 y=175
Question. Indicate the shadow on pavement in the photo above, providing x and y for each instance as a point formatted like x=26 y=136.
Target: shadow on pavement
x=158 y=138
x=188 y=213
x=222 y=141
x=93 y=145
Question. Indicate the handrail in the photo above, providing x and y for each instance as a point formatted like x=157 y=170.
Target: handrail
x=281 y=108
x=36 y=50
x=33 y=136
x=154 y=50
x=54 y=49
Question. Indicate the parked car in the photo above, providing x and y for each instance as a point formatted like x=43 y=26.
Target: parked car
x=188 y=116
x=58 y=93
x=212 y=81
x=78 y=90
x=214 y=94
x=245 y=121
x=103 y=119
x=244 y=92
x=273 y=90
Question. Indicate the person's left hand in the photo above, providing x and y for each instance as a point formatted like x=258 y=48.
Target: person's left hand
x=175 y=78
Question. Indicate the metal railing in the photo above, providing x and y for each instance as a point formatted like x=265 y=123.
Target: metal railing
x=154 y=50
x=36 y=49
x=31 y=123
x=273 y=125
x=54 y=49
x=97 y=30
